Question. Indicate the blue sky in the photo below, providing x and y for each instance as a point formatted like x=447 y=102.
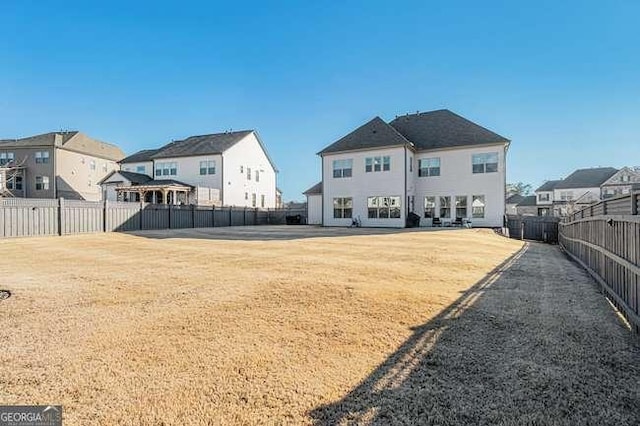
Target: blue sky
x=561 y=79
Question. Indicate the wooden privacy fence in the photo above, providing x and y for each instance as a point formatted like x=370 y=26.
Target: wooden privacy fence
x=37 y=217
x=538 y=228
x=605 y=239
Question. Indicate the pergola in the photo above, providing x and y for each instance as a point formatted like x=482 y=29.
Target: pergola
x=156 y=192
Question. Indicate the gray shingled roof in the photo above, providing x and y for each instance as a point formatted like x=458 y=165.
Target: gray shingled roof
x=314 y=190
x=548 y=185
x=443 y=129
x=136 y=178
x=529 y=200
x=162 y=182
x=71 y=140
x=141 y=156
x=201 y=145
x=514 y=199
x=374 y=134
x=587 y=178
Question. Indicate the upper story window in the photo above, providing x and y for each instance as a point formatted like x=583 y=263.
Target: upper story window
x=167 y=169
x=485 y=163
x=377 y=164
x=248 y=173
x=6 y=158
x=410 y=164
x=566 y=195
x=242 y=169
x=105 y=167
x=429 y=167
x=625 y=178
x=141 y=169
x=543 y=197
x=42 y=157
x=257 y=176
x=342 y=168
x=42 y=183
x=92 y=165
x=208 y=167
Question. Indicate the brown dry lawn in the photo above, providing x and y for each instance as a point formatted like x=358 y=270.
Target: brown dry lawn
x=123 y=329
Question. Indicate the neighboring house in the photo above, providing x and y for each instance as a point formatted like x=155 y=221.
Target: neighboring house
x=435 y=164
x=512 y=202
x=314 y=204
x=231 y=169
x=576 y=186
x=528 y=206
x=623 y=182
x=58 y=164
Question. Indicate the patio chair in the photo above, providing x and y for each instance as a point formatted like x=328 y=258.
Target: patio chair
x=457 y=222
x=436 y=222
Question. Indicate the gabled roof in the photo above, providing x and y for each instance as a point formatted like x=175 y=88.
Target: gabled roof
x=134 y=178
x=616 y=178
x=587 y=198
x=314 y=190
x=443 y=129
x=587 y=178
x=548 y=186
x=374 y=134
x=69 y=140
x=514 y=199
x=140 y=156
x=529 y=200
x=215 y=143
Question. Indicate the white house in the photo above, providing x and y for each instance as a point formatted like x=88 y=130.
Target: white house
x=580 y=188
x=231 y=168
x=623 y=182
x=435 y=164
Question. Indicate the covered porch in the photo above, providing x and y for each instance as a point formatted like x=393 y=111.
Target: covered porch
x=173 y=193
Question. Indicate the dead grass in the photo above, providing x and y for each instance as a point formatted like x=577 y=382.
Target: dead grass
x=129 y=330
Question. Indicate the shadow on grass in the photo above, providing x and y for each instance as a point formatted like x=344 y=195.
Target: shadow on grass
x=482 y=361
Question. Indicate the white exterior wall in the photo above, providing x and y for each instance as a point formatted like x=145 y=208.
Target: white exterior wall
x=132 y=167
x=457 y=179
x=363 y=185
x=248 y=153
x=576 y=192
x=314 y=209
x=188 y=170
x=544 y=203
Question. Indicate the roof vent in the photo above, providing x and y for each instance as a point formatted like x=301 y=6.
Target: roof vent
x=374 y=130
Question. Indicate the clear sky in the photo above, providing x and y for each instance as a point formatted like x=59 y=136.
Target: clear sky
x=561 y=79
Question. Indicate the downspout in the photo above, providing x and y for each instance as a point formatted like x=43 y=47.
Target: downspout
x=323 y=192
x=222 y=178
x=406 y=197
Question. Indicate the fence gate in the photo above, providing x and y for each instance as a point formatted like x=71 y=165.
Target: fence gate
x=537 y=228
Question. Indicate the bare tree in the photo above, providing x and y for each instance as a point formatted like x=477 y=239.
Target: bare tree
x=9 y=174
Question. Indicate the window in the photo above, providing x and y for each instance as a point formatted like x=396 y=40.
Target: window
x=92 y=165
x=253 y=200
x=15 y=183
x=429 y=206
x=248 y=173
x=6 y=158
x=429 y=167
x=342 y=208
x=104 y=167
x=410 y=164
x=543 y=197
x=461 y=206
x=477 y=206
x=566 y=195
x=625 y=178
x=383 y=207
x=262 y=201
x=242 y=169
x=42 y=183
x=42 y=157
x=377 y=164
x=484 y=163
x=257 y=176
x=246 y=195
x=208 y=167
x=445 y=206
x=167 y=169
x=141 y=169
x=342 y=168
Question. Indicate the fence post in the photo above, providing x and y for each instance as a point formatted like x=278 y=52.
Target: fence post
x=60 y=215
x=140 y=211
x=634 y=202
x=213 y=216
x=244 y=217
x=522 y=230
x=104 y=215
x=193 y=215
x=169 y=213
x=230 y=216
x=604 y=208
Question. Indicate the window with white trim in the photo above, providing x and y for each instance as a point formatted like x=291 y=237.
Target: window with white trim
x=566 y=195
x=377 y=164
x=342 y=208
x=383 y=207
x=208 y=167
x=6 y=158
x=167 y=169
x=42 y=183
x=257 y=175
x=429 y=206
x=342 y=168
x=141 y=169
x=253 y=199
x=92 y=165
x=445 y=207
x=461 y=206
x=429 y=167
x=15 y=183
x=42 y=157
x=248 y=173
x=543 y=197
x=478 y=205
x=484 y=163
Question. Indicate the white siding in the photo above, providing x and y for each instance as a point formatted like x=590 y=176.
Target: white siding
x=457 y=179
x=133 y=167
x=314 y=209
x=248 y=153
x=363 y=185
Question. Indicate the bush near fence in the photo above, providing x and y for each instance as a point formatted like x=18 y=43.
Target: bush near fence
x=605 y=239
x=24 y=217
